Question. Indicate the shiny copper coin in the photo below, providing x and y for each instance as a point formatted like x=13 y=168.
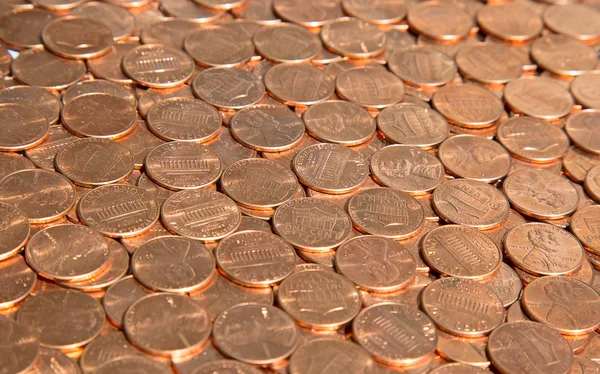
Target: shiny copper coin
x=226 y=366
x=228 y=149
x=158 y=66
x=438 y=20
x=48 y=359
x=77 y=37
x=513 y=22
x=228 y=88
x=99 y=86
x=21 y=29
x=422 y=66
x=234 y=333
x=250 y=224
x=592 y=183
x=58 y=5
x=120 y=296
x=19 y=281
x=555 y=53
x=538 y=348
x=412 y=125
x=586 y=229
x=125 y=364
x=506 y=284
x=319 y=299
x=94 y=162
x=467 y=105
x=183 y=165
x=541 y=194
x=132 y=243
x=457 y=368
x=41 y=195
x=42 y=68
x=585 y=89
x=62 y=319
x=468 y=353
x=113 y=345
x=267 y=128
x=378 y=12
x=353 y=38
x=299 y=84
x=36 y=97
x=140 y=142
x=489 y=63
x=462 y=307
x=24 y=127
x=183 y=119
x=14 y=230
x=515 y=313
x=20 y=346
x=408 y=169
x=259 y=11
x=287 y=43
x=119 y=21
x=67 y=252
x=583 y=129
x=543 y=249
x=584 y=365
x=170 y=31
x=190 y=10
x=200 y=214
x=375 y=263
x=539 y=97
x=108 y=66
x=576 y=20
x=166 y=324
x=11 y=162
x=322 y=355
x=308 y=14
x=219 y=46
x=370 y=87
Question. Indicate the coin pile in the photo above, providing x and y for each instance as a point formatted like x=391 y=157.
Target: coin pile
x=302 y=187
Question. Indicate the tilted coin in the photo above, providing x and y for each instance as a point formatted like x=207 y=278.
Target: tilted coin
x=132 y=243
x=370 y=87
x=36 y=97
x=228 y=88
x=57 y=5
x=583 y=129
x=22 y=28
x=20 y=347
x=576 y=20
x=108 y=66
x=147 y=365
x=585 y=224
x=228 y=149
x=299 y=84
x=154 y=95
x=308 y=14
x=12 y=161
x=412 y=125
x=585 y=90
x=467 y=105
x=564 y=55
x=438 y=20
x=43 y=154
x=42 y=68
x=77 y=37
x=155 y=65
x=468 y=352
x=168 y=31
x=458 y=368
x=140 y=142
x=506 y=284
x=120 y=296
x=48 y=359
x=218 y=46
x=422 y=66
x=592 y=183
x=14 y=230
x=100 y=86
x=19 y=281
x=489 y=63
x=24 y=127
x=584 y=365
x=543 y=249
x=287 y=42
x=119 y=21
x=377 y=12
x=226 y=366
x=113 y=345
x=353 y=38
x=511 y=21
x=539 y=97
x=259 y=11
x=515 y=313
x=324 y=354
x=191 y=10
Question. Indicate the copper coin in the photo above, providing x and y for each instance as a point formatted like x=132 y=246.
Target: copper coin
x=113 y=345
x=538 y=348
x=379 y=12
x=157 y=66
x=200 y=214
x=319 y=299
x=582 y=129
x=330 y=168
x=543 y=249
x=469 y=353
x=463 y=252
x=408 y=169
x=226 y=366
x=585 y=89
x=12 y=161
x=94 y=162
x=183 y=119
x=489 y=63
x=62 y=319
x=438 y=20
x=457 y=368
x=422 y=66
x=287 y=43
x=308 y=14
x=19 y=281
x=370 y=87
x=259 y=11
x=515 y=313
x=24 y=127
x=170 y=31
x=119 y=21
x=166 y=324
x=513 y=22
x=228 y=149
x=140 y=142
x=467 y=105
x=218 y=46
x=586 y=229
x=41 y=195
x=22 y=28
x=67 y=252
x=462 y=307
x=412 y=125
x=57 y=5
x=322 y=355
x=183 y=165
x=506 y=284
x=125 y=364
x=251 y=224
x=267 y=128
x=353 y=38
x=42 y=68
x=191 y=11
x=221 y=4
x=228 y=88
x=77 y=37
x=584 y=365
x=14 y=230
x=36 y=97
x=286 y=157
x=20 y=347
x=299 y=84
x=108 y=66
x=120 y=296
x=576 y=20
x=541 y=194
x=100 y=86
x=592 y=183
x=376 y=264
x=157 y=230
x=564 y=55
x=538 y=97
x=336 y=68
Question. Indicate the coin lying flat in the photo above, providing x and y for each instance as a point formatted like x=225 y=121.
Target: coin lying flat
x=298 y=84
x=583 y=226
x=585 y=90
x=35 y=97
x=120 y=296
x=108 y=66
x=474 y=157
x=592 y=183
x=506 y=284
x=119 y=21
x=576 y=20
x=15 y=230
x=582 y=130
x=114 y=343
x=438 y=20
x=524 y=23
x=287 y=43
x=22 y=28
x=377 y=12
x=158 y=66
x=191 y=11
x=539 y=97
x=412 y=125
x=467 y=105
x=353 y=38
x=308 y=14
x=228 y=88
x=12 y=161
x=407 y=63
x=77 y=37
x=218 y=46
x=331 y=354
x=370 y=87
x=42 y=68
x=20 y=347
x=555 y=52
x=19 y=281
x=24 y=127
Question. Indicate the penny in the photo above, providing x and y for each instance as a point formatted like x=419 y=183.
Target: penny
x=228 y=149
x=218 y=46
x=200 y=214
x=370 y=87
x=408 y=169
x=228 y=88
x=20 y=347
x=119 y=21
x=24 y=127
x=48 y=359
x=506 y=284
x=298 y=84
x=140 y=142
x=375 y=263
x=592 y=183
x=353 y=38
x=188 y=364
x=538 y=97
x=515 y=313
x=543 y=249
x=438 y=20
x=462 y=307
x=467 y=105
x=259 y=11
x=321 y=355
x=584 y=365
x=157 y=66
x=183 y=165
x=422 y=66
x=412 y=125
x=99 y=86
x=541 y=194
x=35 y=97
x=170 y=32
x=497 y=233
x=585 y=228
x=308 y=14
x=108 y=66
x=57 y=5
x=11 y=162
x=62 y=319
x=576 y=20
x=555 y=53
x=319 y=299
x=252 y=224
x=514 y=22
x=234 y=333
x=19 y=281
x=157 y=230
x=481 y=63
x=464 y=351
x=120 y=296
x=226 y=366
x=14 y=230
x=94 y=162
x=183 y=119
x=77 y=37
x=125 y=364
x=287 y=43
x=585 y=90
x=522 y=339
x=21 y=28
x=113 y=345
x=581 y=128
x=458 y=368
x=191 y=11
x=379 y=12
x=267 y=128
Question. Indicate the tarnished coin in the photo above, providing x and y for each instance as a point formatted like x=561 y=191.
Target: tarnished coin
x=586 y=90
x=370 y=87
x=462 y=252
x=42 y=68
x=183 y=165
x=200 y=214
x=422 y=66
x=36 y=97
x=167 y=324
x=228 y=88
x=120 y=296
x=408 y=169
x=353 y=38
x=326 y=354
x=77 y=37
x=592 y=183
x=412 y=125
x=506 y=284
x=319 y=299
x=532 y=139
x=539 y=348
x=585 y=225
x=108 y=66
x=577 y=20
x=375 y=263
x=18 y=279
x=114 y=345
x=62 y=319
x=155 y=65
x=125 y=364
x=94 y=162
x=308 y=14
x=119 y=20
x=22 y=28
x=467 y=105
x=218 y=46
x=183 y=119
x=287 y=42
x=541 y=194
x=543 y=249
x=267 y=128
x=439 y=20
x=555 y=53
x=190 y=10
x=330 y=168
x=582 y=127
x=539 y=97
x=20 y=347
x=12 y=161
x=299 y=84
x=489 y=63
x=378 y=12
x=240 y=330
x=513 y=21
x=462 y=307
x=23 y=127
x=14 y=230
